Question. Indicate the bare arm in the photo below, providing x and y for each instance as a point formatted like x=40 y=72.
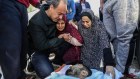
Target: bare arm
x=71 y=40
x=74 y=42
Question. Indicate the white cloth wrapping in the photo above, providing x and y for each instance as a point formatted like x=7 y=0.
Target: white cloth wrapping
x=95 y=74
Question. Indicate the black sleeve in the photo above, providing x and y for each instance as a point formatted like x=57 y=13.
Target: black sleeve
x=108 y=57
x=38 y=6
x=39 y=38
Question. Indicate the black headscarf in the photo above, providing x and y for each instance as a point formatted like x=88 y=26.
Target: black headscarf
x=86 y=14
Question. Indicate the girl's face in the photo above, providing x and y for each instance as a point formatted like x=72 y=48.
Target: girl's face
x=60 y=25
x=86 y=22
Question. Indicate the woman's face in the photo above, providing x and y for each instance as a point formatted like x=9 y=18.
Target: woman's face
x=86 y=22
x=60 y=25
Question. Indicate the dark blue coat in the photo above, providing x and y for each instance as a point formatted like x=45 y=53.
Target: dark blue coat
x=79 y=9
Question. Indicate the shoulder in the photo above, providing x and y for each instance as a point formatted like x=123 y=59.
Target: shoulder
x=87 y=3
x=99 y=26
x=101 y=30
x=36 y=22
x=77 y=3
x=35 y=18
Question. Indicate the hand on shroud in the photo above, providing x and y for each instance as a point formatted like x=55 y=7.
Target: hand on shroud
x=110 y=70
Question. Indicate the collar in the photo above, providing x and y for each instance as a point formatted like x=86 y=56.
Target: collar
x=46 y=18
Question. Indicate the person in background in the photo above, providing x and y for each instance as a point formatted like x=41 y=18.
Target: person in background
x=96 y=47
x=71 y=10
x=120 y=20
x=72 y=55
x=13 y=24
x=42 y=29
x=102 y=2
x=81 y=5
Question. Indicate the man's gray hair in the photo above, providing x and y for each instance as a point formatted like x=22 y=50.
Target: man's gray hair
x=55 y=3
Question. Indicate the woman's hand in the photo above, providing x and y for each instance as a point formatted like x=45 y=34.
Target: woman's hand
x=67 y=37
x=110 y=70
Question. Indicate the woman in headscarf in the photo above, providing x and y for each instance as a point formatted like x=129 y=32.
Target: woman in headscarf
x=72 y=55
x=96 y=48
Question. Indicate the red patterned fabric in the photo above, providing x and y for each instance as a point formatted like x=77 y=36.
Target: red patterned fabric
x=27 y=2
x=73 y=53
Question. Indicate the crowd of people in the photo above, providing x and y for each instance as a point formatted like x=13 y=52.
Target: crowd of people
x=68 y=29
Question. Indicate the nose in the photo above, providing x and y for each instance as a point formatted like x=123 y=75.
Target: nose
x=85 y=23
x=59 y=25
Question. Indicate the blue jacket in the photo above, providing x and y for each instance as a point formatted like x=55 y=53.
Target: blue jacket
x=71 y=10
x=79 y=9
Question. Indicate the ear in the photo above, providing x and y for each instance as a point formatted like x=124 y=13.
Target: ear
x=51 y=7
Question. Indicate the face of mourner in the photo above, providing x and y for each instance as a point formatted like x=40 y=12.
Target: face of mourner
x=58 y=12
x=60 y=25
x=86 y=22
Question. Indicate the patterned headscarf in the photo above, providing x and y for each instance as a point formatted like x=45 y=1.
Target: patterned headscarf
x=95 y=40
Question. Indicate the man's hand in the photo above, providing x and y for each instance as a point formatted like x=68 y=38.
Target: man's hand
x=101 y=5
x=44 y=2
x=67 y=37
x=60 y=36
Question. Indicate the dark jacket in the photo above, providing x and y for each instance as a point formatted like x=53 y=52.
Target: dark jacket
x=43 y=32
x=79 y=9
